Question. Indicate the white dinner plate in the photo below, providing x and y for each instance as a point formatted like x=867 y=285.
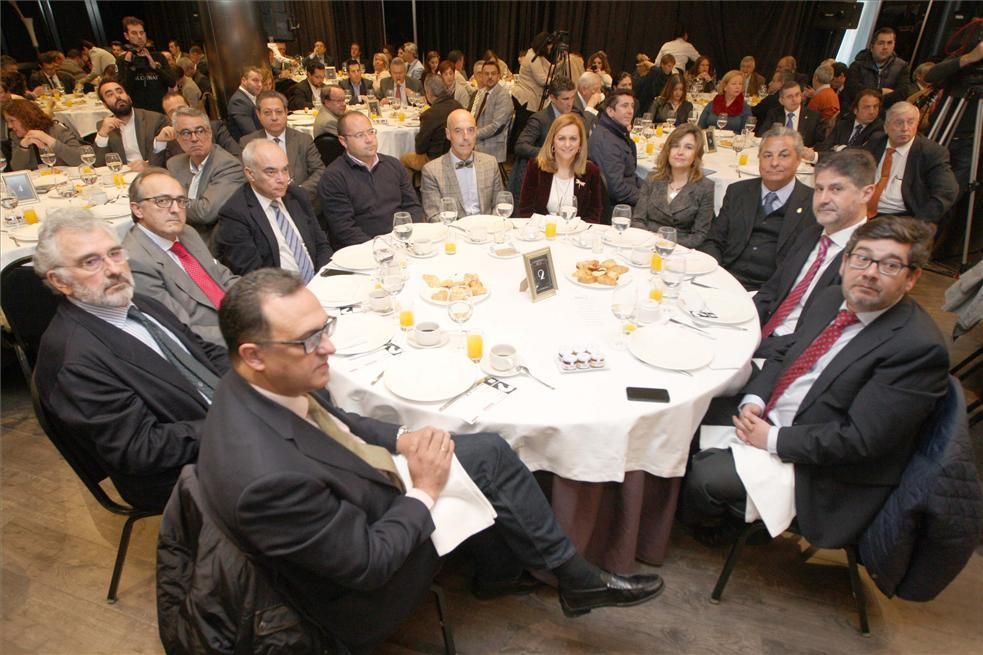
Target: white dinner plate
x=448 y=373
x=433 y=231
x=25 y=232
x=111 y=210
x=355 y=258
x=716 y=306
x=341 y=290
x=670 y=347
x=478 y=220
x=360 y=333
x=699 y=263
x=426 y=292
x=633 y=236
x=624 y=280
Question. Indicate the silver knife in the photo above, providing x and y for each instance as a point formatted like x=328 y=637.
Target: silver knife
x=480 y=381
x=692 y=327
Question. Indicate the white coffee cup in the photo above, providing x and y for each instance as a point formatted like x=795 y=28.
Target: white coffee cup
x=503 y=357
x=427 y=333
x=478 y=234
x=422 y=247
x=380 y=301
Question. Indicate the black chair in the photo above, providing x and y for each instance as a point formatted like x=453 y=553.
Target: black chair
x=329 y=147
x=91 y=473
x=29 y=306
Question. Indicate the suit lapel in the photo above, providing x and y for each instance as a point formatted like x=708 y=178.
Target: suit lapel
x=181 y=278
x=484 y=170
x=450 y=181
x=171 y=270
x=800 y=199
x=258 y=215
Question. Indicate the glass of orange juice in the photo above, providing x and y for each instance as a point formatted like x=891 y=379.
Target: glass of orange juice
x=30 y=216
x=406 y=318
x=656 y=263
x=476 y=345
x=550 y=228
x=655 y=289
x=742 y=159
x=649 y=148
x=450 y=243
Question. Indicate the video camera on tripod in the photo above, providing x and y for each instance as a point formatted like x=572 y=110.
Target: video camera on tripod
x=557 y=49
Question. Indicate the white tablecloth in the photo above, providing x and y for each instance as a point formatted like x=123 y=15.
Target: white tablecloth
x=84 y=115
x=395 y=139
x=586 y=430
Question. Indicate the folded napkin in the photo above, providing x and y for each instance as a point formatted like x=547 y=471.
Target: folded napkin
x=459 y=512
x=770 y=485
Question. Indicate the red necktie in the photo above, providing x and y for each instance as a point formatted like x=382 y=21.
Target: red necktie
x=795 y=295
x=811 y=355
x=198 y=274
x=399 y=93
x=881 y=183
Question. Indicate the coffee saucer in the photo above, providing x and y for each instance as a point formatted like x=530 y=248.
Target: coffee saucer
x=444 y=339
x=490 y=370
x=432 y=253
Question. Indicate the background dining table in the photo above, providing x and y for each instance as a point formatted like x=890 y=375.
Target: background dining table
x=395 y=137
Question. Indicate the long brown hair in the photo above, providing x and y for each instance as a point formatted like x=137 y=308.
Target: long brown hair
x=546 y=159
x=663 y=171
x=29 y=115
x=671 y=83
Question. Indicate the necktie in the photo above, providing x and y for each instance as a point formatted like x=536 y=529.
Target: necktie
x=294 y=242
x=811 y=355
x=771 y=202
x=399 y=93
x=375 y=456
x=788 y=122
x=881 y=183
x=856 y=134
x=200 y=377
x=464 y=164
x=481 y=107
x=198 y=274
x=276 y=140
x=795 y=295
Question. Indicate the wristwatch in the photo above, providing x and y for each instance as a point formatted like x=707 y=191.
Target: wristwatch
x=400 y=431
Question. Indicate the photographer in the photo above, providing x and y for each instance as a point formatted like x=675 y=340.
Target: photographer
x=143 y=73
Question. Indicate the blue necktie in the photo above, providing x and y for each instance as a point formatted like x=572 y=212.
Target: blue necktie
x=294 y=242
x=771 y=202
x=788 y=123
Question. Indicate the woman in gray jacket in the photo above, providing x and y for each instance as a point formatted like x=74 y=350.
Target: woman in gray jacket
x=31 y=129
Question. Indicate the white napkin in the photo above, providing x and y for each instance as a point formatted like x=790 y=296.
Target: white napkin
x=459 y=512
x=770 y=485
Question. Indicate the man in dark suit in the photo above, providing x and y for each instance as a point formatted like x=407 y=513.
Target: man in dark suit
x=241 y=110
x=267 y=221
x=312 y=490
x=355 y=55
x=562 y=95
x=356 y=85
x=794 y=115
x=132 y=386
x=307 y=94
x=650 y=86
x=398 y=82
x=139 y=136
x=319 y=56
x=752 y=81
x=846 y=403
x=431 y=141
x=306 y=166
x=169 y=261
x=48 y=74
x=220 y=133
x=770 y=101
x=914 y=176
x=854 y=129
x=844 y=184
x=760 y=218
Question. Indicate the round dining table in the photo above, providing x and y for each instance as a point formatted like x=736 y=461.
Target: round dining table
x=614 y=466
x=82 y=113
x=395 y=137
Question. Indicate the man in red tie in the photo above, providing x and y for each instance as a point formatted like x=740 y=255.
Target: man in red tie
x=845 y=403
x=169 y=260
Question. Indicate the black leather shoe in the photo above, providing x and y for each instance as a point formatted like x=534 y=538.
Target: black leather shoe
x=616 y=591
x=518 y=586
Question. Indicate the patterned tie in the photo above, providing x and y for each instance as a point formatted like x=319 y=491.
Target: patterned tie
x=481 y=107
x=795 y=295
x=788 y=122
x=276 y=140
x=771 y=202
x=811 y=355
x=294 y=242
x=856 y=135
x=198 y=274
x=200 y=377
x=881 y=183
x=375 y=456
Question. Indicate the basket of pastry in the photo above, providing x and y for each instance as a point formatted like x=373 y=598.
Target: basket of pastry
x=442 y=290
x=607 y=273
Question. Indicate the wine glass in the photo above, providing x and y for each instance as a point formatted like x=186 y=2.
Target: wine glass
x=749 y=126
x=48 y=156
x=738 y=145
x=3 y=162
x=693 y=118
x=9 y=203
x=665 y=241
x=348 y=98
x=721 y=121
x=114 y=162
x=621 y=219
x=382 y=251
x=623 y=305
x=88 y=155
x=403 y=226
x=673 y=276
x=448 y=210
x=504 y=204
x=460 y=304
x=391 y=278
x=568 y=212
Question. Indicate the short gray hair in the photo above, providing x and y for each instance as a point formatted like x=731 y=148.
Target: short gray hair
x=190 y=112
x=778 y=131
x=48 y=256
x=397 y=61
x=249 y=153
x=326 y=92
x=824 y=74
x=409 y=46
x=589 y=79
x=436 y=87
x=898 y=108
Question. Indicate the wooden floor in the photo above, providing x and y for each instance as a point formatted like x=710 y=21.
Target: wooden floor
x=58 y=549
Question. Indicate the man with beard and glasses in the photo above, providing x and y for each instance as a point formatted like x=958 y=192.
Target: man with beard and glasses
x=139 y=136
x=116 y=370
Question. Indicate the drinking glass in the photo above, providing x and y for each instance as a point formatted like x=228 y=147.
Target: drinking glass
x=48 y=156
x=623 y=304
x=460 y=305
x=693 y=118
x=382 y=251
x=348 y=98
x=750 y=124
x=665 y=241
x=721 y=121
x=88 y=155
x=504 y=204
x=673 y=276
x=113 y=162
x=739 y=142
x=403 y=226
x=621 y=219
x=10 y=216
x=568 y=212
x=406 y=316
x=475 y=345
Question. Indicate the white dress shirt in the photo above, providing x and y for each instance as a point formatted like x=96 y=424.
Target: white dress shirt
x=287 y=261
x=891 y=201
x=251 y=97
x=783 y=194
x=131 y=147
x=795 y=117
x=282 y=137
x=117 y=317
x=162 y=243
x=196 y=176
x=467 y=181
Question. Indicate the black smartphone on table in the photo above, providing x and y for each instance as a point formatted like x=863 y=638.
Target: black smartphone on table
x=647 y=394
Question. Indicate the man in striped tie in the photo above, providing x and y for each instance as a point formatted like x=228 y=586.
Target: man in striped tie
x=846 y=402
x=169 y=260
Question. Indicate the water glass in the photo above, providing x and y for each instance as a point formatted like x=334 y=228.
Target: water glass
x=665 y=241
x=504 y=204
x=721 y=121
x=403 y=226
x=673 y=276
x=624 y=301
x=621 y=219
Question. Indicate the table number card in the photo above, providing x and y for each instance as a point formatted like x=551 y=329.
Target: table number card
x=540 y=274
x=19 y=185
x=711 y=139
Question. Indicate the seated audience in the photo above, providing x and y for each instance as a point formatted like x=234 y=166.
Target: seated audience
x=468 y=176
x=700 y=77
x=793 y=115
x=589 y=96
x=432 y=62
x=612 y=149
x=269 y=221
x=752 y=81
x=380 y=69
x=139 y=136
x=220 y=133
x=844 y=183
x=623 y=82
x=74 y=64
x=493 y=110
x=31 y=130
x=561 y=98
x=186 y=84
x=765 y=105
x=414 y=67
x=169 y=261
x=839 y=80
x=333 y=107
x=118 y=371
x=672 y=105
x=241 y=110
x=561 y=174
x=354 y=84
x=598 y=63
x=914 y=176
x=651 y=85
x=99 y=60
x=761 y=217
x=210 y=174
x=402 y=88
x=306 y=94
x=845 y=404
x=676 y=194
x=456 y=58
x=355 y=55
x=729 y=102
x=461 y=90
x=319 y=55
x=361 y=190
x=824 y=100
x=431 y=141
x=856 y=128
x=48 y=75
x=312 y=489
x=306 y=166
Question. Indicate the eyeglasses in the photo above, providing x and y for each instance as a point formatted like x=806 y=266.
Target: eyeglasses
x=198 y=132
x=95 y=263
x=311 y=342
x=888 y=267
x=165 y=202
x=361 y=135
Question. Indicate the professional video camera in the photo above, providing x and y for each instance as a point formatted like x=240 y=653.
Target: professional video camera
x=558 y=41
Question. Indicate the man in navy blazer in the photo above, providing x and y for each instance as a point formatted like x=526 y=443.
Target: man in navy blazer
x=250 y=234
x=102 y=378
x=356 y=85
x=807 y=122
x=241 y=111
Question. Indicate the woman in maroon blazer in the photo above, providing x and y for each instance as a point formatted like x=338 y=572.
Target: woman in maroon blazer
x=560 y=170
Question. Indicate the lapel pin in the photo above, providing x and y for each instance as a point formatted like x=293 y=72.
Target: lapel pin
x=798 y=211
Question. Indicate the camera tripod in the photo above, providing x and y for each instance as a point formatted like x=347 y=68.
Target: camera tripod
x=559 y=65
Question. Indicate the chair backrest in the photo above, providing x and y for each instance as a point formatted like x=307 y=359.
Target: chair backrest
x=29 y=307
x=329 y=147
x=207 y=104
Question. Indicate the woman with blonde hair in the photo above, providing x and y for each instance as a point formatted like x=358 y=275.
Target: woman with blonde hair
x=380 y=68
x=676 y=194
x=561 y=171
x=729 y=101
